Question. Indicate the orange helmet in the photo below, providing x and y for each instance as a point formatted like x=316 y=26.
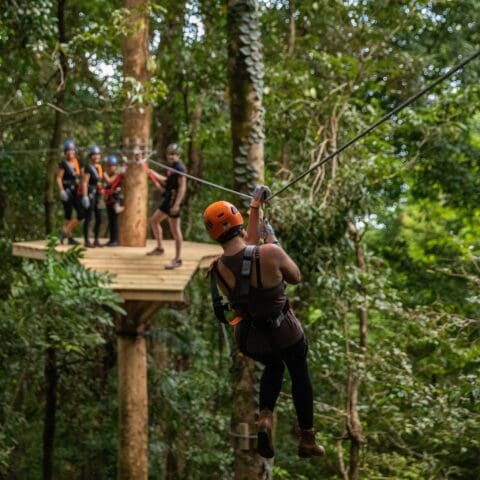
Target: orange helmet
x=222 y=221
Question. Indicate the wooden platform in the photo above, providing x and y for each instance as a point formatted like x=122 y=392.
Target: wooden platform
x=138 y=276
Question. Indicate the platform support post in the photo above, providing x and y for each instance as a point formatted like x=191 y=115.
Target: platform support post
x=131 y=331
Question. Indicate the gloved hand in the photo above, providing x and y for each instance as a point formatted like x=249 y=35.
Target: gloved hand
x=86 y=203
x=267 y=230
x=260 y=196
x=64 y=196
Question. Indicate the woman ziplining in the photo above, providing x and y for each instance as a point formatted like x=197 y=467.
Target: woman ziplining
x=253 y=278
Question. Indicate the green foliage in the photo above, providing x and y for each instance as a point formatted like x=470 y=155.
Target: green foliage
x=410 y=188
x=52 y=304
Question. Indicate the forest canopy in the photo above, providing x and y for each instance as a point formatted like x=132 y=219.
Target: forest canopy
x=388 y=231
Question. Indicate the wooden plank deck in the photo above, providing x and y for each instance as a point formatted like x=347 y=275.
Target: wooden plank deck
x=138 y=276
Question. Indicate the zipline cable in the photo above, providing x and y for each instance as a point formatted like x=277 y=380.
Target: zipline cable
x=196 y=179
x=365 y=132
x=324 y=160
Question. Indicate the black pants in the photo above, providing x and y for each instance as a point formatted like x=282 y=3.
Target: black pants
x=92 y=210
x=295 y=359
x=73 y=203
x=112 y=223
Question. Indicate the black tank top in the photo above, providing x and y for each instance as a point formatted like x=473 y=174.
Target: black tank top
x=263 y=304
x=93 y=179
x=70 y=177
x=171 y=186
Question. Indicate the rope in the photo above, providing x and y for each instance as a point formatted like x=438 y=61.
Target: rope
x=196 y=179
x=353 y=140
x=390 y=114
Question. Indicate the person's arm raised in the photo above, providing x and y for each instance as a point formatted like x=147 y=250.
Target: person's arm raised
x=260 y=195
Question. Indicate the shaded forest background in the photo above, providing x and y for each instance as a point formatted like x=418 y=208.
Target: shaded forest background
x=390 y=230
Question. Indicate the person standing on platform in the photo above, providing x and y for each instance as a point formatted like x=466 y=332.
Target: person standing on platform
x=68 y=181
x=112 y=181
x=175 y=189
x=92 y=191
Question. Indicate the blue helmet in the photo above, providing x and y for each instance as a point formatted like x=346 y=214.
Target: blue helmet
x=69 y=145
x=112 y=160
x=93 y=150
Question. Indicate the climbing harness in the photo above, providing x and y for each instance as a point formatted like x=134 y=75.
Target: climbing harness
x=222 y=305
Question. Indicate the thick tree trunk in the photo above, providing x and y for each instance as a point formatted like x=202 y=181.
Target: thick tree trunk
x=132 y=391
x=51 y=380
x=247 y=464
x=136 y=126
x=354 y=426
x=246 y=72
x=49 y=194
x=245 y=68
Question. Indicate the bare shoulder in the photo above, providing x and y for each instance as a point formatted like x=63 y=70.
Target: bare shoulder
x=272 y=250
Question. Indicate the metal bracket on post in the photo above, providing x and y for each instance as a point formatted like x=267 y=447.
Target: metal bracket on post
x=125 y=331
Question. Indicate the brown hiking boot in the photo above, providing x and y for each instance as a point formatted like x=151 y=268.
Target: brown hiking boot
x=307 y=447
x=264 y=435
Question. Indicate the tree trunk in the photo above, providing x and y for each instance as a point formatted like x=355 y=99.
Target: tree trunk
x=245 y=68
x=195 y=159
x=51 y=380
x=354 y=426
x=194 y=155
x=292 y=31
x=51 y=372
x=132 y=390
x=49 y=194
x=136 y=125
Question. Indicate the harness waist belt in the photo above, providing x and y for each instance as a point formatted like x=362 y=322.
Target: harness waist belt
x=273 y=322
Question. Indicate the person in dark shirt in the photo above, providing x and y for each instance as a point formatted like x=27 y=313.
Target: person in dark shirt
x=175 y=188
x=92 y=192
x=112 y=182
x=266 y=328
x=68 y=180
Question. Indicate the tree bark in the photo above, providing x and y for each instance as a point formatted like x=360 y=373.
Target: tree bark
x=55 y=141
x=195 y=159
x=354 y=426
x=245 y=68
x=136 y=125
x=51 y=371
x=246 y=73
x=51 y=380
x=292 y=30
x=132 y=391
